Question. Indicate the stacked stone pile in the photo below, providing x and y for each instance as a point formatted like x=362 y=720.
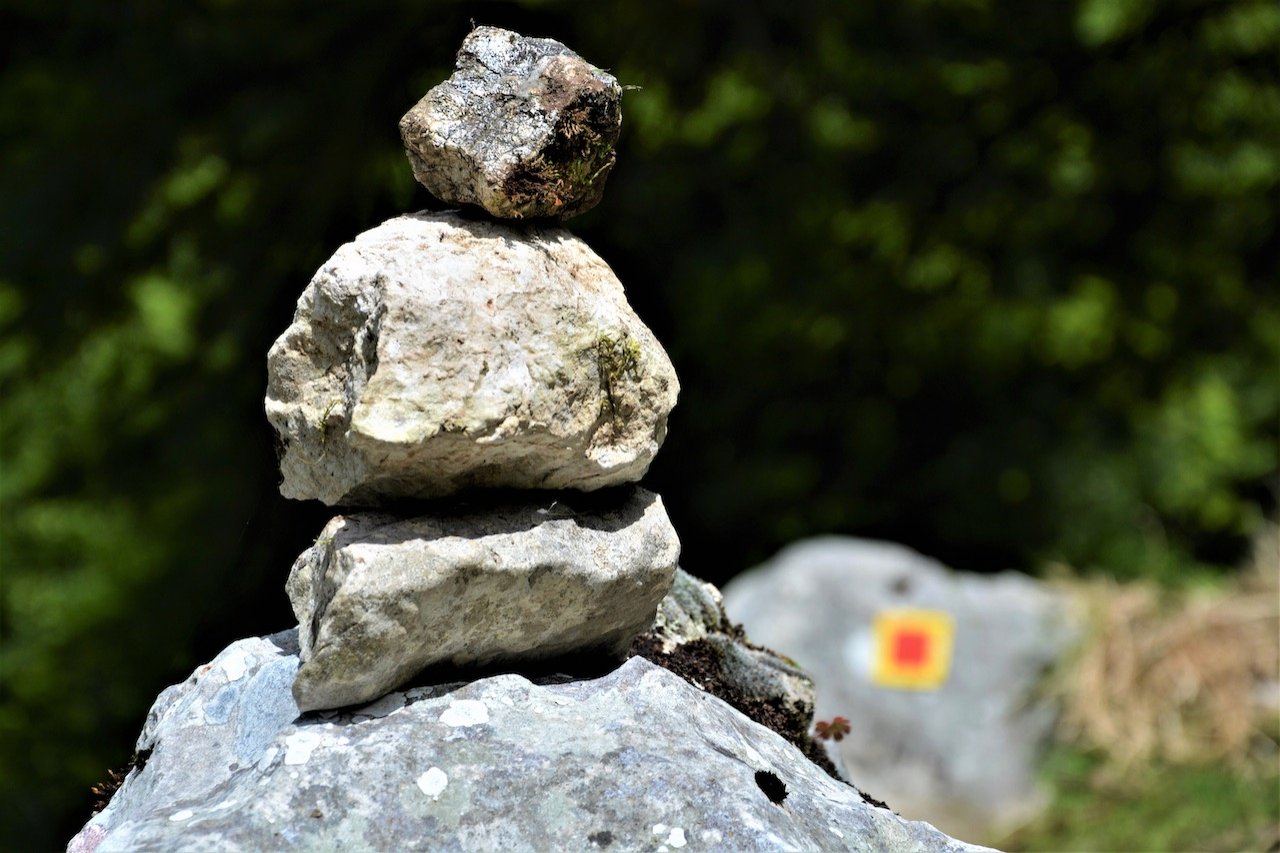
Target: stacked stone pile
x=477 y=388
x=446 y=355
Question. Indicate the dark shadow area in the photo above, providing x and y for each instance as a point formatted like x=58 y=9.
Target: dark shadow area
x=435 y=681
x=495 y=512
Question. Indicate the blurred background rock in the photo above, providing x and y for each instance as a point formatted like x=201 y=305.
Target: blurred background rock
x=961 y=750
x=996 y=280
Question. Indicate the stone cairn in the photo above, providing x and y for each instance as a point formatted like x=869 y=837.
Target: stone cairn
x=469 y=379
x=490 y=360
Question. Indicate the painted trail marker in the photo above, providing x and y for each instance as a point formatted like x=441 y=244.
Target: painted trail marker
x=912 y=649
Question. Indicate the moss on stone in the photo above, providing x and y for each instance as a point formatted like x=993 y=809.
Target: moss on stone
x=619 y=359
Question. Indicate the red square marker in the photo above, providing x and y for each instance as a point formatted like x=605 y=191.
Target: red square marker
x=910 y=648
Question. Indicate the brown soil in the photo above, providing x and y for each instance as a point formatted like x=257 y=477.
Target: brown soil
x=700 y=663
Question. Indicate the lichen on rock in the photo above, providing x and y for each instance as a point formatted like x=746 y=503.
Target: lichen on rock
x=525 y=128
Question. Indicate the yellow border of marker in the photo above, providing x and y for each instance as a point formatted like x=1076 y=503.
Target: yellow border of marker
x=937 y=625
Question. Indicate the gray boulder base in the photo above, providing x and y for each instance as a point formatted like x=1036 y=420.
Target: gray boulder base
x=636 y=760
x=524 y=128
x=435 y=353
x=962 y=757
x=380 y=598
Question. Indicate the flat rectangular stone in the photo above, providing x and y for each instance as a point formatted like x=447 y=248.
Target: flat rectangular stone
x=379 y=598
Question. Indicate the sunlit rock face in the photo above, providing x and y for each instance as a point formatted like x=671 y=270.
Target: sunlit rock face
x=637 y=759
x=436 y=353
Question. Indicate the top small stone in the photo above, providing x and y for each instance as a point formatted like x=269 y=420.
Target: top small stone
x=525 y=128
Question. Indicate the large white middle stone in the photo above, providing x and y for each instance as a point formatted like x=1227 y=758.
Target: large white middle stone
x=436 y=353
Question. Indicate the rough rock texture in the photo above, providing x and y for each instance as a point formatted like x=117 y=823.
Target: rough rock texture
x=436 y=353
x=962 y=757
x=692 y=636
x=379 y=598
x=692 y=610
x=635 y=760
x=524 y=128
x=692 y=617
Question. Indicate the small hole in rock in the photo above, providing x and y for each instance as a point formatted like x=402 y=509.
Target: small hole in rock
x=901 y=586
x=773 y=787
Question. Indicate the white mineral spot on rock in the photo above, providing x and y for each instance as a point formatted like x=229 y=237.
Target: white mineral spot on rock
x=299 y=746
x=748 y=819
x=433 y=782
x=465 y=712
x=185 y=814
x=659 y=829
x=837 y=833
x=507 y=700
x=711 y=836
x=676 y=838
x=267 y=757
x=750 y=754
x=235 y=666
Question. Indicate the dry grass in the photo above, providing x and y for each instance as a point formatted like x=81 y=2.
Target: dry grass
x=1179 y=677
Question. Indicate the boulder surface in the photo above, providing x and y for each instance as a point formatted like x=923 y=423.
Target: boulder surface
x=524 y=128
x=962 y=756
x=379 y=598
x=635 y=760
x=435 y=353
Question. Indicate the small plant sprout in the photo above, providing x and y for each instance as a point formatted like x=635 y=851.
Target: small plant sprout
x=834 y=730
x=617 y=359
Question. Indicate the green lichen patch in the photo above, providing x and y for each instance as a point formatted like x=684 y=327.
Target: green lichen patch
x=618 y=359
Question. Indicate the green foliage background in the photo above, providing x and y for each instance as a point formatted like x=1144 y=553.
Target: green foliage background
x=994 y=279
